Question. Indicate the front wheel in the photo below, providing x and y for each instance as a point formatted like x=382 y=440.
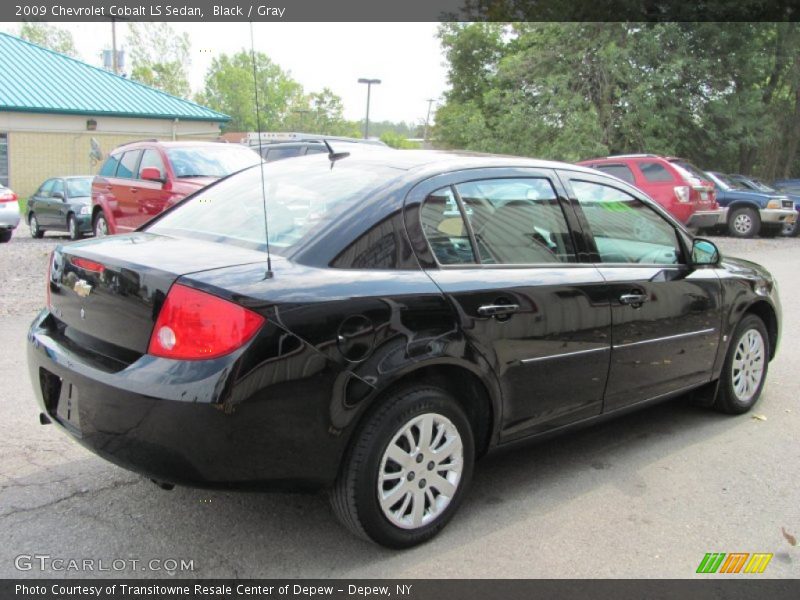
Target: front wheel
x=36 y=231
x=744 y=222
x=745 y=369
x=100 y=225
x=72 y=227
x=408 y=470
x=792 y=229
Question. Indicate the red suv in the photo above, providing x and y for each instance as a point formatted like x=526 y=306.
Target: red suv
x=141 y=179
x=674 y=183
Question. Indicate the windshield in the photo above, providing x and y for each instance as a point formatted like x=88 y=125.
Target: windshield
x=77 y=188
x=723 y=181
x=758 y=185
x=210 y=160
x=302 y=195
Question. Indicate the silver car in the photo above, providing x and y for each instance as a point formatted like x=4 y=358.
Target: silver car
x=9 y=214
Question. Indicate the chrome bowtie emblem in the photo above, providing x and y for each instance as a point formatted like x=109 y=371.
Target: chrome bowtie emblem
x=82 y=288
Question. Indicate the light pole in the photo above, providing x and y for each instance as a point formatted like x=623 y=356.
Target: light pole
x=430 y=102
x=369 y=83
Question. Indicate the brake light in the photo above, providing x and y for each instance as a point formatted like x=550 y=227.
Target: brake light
x=682 y=193
x=88 y=265
x=8 y=197
x=195 y=325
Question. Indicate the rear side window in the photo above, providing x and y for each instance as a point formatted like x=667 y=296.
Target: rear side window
x=655 y=172
x=517 y=221
x=445 y=230
x=618 y=170
x=127 y=166
x=110 y=166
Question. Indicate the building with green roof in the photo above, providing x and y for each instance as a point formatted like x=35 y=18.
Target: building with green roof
x=61 y=116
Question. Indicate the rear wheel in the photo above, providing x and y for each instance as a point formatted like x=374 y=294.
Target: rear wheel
x=745 y=369
x=100 y=225
x=36 y=231
x=72 y=227
x=5 y=235
x=744 y=222
x=408 y=471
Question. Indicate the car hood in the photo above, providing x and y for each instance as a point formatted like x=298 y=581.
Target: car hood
x=750 y=195
x=745 y=268
x=81 y=200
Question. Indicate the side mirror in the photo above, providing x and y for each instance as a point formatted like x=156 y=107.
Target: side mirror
x=59 y=195
x=705 y=252
x=151 y=174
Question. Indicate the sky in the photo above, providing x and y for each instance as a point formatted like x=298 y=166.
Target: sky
x=406 y=57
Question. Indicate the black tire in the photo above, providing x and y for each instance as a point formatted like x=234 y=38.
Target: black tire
x=36 y=231
x=791 y=230
x=355 y=496
x=100 y=225
x=5 y=235
x=744 y=222
x=728 y=400
x=72 y=228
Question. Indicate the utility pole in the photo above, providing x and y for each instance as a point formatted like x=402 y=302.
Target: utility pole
x=430 y=102
x=369 y=83
x=114 y=65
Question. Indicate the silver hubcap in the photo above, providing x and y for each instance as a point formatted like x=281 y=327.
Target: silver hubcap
x=102 y=228
x=748 y=365
x=742 y=223
x=420 y=471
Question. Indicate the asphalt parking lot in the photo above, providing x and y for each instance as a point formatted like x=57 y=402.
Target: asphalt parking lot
x=645 y=496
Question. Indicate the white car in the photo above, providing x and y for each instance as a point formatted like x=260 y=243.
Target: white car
x=9 y=213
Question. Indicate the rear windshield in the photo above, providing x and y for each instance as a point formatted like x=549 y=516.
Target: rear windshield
x=690 y=169
x=210 y=161
x=302 y=195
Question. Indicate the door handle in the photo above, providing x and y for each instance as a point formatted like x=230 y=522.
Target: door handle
x=493 y=310
x=634 y=299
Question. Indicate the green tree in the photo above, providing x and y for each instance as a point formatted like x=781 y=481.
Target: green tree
x=160 y=57
x=229 y=89
x=50 y=37
x=320 y=112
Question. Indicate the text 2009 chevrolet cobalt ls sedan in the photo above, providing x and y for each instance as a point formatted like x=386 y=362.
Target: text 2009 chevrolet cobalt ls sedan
x=422 y=308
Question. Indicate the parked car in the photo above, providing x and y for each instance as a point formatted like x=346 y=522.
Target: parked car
x=276 y=146
x=141 y=179
x=62 y=204
x=752 y=213
x=9 y=214
x=674 y=183
x=381 y=344
x=756 y=185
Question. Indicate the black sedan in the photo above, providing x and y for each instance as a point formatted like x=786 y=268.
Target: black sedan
x=62 y=204
x=412 y=311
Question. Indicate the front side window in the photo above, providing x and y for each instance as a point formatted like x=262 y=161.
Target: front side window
x=58 y=187
x=127 y=166
x=517 y=221
x=46 y=188
x=152 y=159
x=625 y=229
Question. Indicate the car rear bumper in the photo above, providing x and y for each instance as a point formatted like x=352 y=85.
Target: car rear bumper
x=183 y=431
x=9 y=219
x=705 y=218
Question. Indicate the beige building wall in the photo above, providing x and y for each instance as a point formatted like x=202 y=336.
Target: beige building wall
x=42 y=145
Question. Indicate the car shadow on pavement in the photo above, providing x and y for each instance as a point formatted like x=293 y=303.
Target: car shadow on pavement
x=87 y=508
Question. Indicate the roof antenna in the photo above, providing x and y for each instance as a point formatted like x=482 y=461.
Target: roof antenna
x=334 y=156
x=269 y=273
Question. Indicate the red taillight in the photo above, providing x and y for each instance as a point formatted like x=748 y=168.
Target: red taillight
x=194 y=325
x=88 y=265
x=12 y=197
